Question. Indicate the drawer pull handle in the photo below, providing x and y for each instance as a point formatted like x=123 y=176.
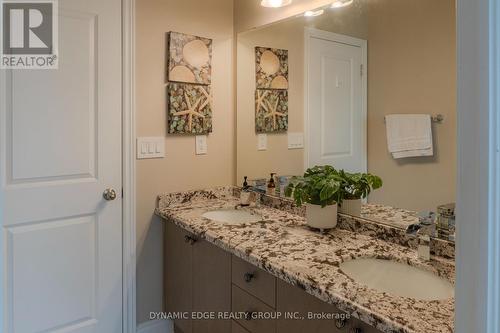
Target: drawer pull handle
x=340 y=323
x=248 y=315
x=248 y=277
x=189 y=239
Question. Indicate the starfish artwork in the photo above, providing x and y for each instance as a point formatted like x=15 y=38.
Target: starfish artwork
x=259 y=100
x=190 y=109
x=271 y=111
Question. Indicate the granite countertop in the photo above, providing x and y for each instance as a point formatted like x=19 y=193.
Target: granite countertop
x=396 y=217
x=283 y=245
x=380 y=221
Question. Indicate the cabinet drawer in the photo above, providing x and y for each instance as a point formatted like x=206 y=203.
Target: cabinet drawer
x=254 y=280
x=292 y=299
x=365 y=328
x=243 y=302
x=237 y=328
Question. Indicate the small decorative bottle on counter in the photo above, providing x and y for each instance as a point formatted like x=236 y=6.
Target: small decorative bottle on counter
x=271 y=185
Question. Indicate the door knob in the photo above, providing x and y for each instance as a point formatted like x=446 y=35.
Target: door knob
x=109 y=194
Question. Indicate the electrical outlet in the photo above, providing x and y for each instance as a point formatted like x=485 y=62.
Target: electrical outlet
x=262 y=142
x=295 y=140
x=201 y=145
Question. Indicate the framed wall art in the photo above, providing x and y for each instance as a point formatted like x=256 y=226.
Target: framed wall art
x=189 y=58
x=189 y=109
x=271 y=68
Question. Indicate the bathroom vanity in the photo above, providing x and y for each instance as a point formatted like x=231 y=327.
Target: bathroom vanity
x=317 y=92
x=201 y=277
x=274 y=274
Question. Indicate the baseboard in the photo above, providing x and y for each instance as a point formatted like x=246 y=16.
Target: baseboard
x=156 y=326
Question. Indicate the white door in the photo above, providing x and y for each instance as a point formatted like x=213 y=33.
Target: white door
x=335 y=101
x=60 y=148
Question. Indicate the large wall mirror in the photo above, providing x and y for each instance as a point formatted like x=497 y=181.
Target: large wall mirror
x=345 y=87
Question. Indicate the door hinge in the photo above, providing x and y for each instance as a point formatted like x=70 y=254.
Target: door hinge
x=361 y=70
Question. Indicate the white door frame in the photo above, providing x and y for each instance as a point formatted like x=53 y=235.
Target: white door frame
x=128 y=156
x=128 y=168
x=478 y=184
x=333 y=37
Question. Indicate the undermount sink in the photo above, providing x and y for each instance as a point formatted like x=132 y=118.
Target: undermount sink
x=232 y=216
x=398 y=279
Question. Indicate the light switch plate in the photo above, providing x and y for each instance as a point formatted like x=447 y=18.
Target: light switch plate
x=261 y=141
x=201 y=145
x=150 y=147
x=295 y=140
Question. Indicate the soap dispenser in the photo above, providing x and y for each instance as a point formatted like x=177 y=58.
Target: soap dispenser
x=245 y=193
x=271 y=185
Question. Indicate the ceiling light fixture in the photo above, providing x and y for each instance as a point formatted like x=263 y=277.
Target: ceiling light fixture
x=341 y=3
x=311 y=13
x=275 y=3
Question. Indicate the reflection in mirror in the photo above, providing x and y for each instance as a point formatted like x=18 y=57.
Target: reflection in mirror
x=369 y=88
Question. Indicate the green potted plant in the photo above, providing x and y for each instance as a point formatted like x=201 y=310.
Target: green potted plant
x=321 y=190
x=356 y=186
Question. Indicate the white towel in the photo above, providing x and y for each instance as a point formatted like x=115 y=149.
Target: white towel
x=409 y=135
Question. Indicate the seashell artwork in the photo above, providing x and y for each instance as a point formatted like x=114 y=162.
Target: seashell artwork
x=271 y=111
x=271 y=68
x=189 y=58
x=189 y=109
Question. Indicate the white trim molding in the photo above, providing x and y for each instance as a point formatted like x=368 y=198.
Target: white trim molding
x=334 y=37
x=128 y=147
x=493 y=320
x=478 y=183
x=156 y=326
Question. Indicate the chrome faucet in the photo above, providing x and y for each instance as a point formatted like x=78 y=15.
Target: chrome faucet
x=254 y=199
x=423 y=230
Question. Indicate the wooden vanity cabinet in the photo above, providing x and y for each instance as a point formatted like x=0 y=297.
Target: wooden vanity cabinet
x=237 y=328
x=178 y=273
x=254 y=281
x=201 y=277
x=292 y=299
x=211 y=286
x=197 y=280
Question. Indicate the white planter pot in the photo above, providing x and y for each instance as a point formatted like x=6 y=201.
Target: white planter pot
x=351 y=207
x=321 y=218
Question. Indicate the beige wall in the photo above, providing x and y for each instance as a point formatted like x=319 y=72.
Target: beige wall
x=412 y=69
x=181 y=169
x=288 y=35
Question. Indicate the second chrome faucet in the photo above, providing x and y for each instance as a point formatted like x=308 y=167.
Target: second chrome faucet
x=423 y=230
